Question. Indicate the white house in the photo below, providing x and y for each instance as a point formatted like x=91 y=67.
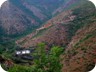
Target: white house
x=18 y=52
x=23 y=52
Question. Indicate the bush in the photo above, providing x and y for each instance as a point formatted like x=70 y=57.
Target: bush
x=48 y=62
x=19 y=68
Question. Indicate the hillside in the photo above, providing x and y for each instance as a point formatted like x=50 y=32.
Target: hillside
x=19 y=17
x=60 y=29
x=75 y=30
x=80 y=54
x=72 y=29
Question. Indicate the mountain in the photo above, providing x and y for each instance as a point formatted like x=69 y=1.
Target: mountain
x=23 y=16
x=80 y=54
x=75 y=30
x=70 y=24
x=60 y=29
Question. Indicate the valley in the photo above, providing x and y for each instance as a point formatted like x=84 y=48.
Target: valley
x=36 y=34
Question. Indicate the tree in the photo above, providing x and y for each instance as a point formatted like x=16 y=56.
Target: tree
x=48 y=62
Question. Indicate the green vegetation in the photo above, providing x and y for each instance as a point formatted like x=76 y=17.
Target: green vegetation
x=44 y=61
x=24 y=9
x=6 y=49
x=19 y=68
x=1 y=49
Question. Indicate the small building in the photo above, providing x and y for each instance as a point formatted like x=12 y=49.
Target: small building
x=22 y=52
x=18 y=52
